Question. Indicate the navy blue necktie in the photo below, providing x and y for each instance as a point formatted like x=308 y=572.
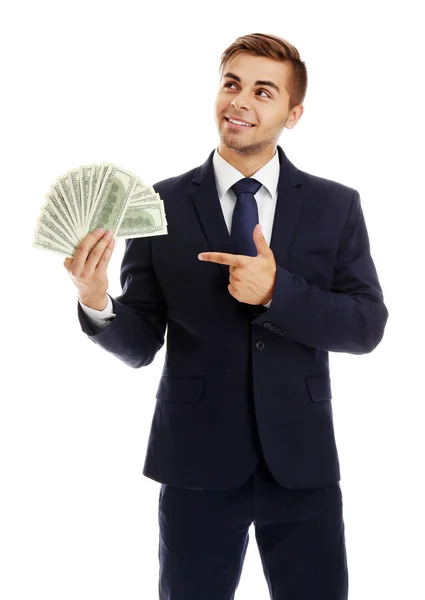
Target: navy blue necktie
x=245 y=215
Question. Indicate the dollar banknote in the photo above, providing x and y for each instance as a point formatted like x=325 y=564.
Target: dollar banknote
x=97 y=195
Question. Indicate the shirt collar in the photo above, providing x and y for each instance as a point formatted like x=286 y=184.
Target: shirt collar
x=226 y=175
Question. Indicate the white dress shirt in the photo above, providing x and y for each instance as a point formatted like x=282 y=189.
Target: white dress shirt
x=225 y=176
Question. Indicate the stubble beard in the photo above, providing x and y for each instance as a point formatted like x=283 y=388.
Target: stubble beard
x=249 y=149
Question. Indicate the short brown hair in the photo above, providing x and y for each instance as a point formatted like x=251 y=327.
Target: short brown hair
x=271 y=46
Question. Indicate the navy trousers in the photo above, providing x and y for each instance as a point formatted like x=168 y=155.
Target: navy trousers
x=204 y=537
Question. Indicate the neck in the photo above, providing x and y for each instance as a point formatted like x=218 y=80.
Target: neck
x=247 y=164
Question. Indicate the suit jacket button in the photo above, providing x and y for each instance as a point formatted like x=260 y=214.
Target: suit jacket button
x=278 y=330
x=284 y=332
x=259 y=345
x=267 y=325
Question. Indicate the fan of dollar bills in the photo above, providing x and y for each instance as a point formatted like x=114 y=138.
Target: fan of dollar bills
x=97 y=195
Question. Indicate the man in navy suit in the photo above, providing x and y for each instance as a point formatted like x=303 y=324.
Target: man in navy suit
x=265 y=269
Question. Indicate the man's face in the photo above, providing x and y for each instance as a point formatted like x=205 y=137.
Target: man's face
x=261 y=105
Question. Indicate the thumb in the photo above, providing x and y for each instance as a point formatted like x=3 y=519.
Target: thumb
x=260 y=241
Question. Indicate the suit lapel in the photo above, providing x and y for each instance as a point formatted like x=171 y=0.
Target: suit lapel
x=288 y=208
x=207 y=204
x=210 y=214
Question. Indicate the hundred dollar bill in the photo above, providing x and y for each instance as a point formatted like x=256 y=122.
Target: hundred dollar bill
x=112 y=199
x=45 y=244
x=57 y=189
x=85 y=176
x=65 y=191
x=74 y=180
x=51 y=214
x=57 y=232
x=45 y=232
x=150 y=199
x=143 y=221
x=59 y=207
x=141 y=192
x=102 y=171
x=94 y=178
x=98 y=195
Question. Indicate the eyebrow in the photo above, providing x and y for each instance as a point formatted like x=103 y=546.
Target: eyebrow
x=258 y=82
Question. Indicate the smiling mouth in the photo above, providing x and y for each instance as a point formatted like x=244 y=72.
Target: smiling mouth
x=239 y=126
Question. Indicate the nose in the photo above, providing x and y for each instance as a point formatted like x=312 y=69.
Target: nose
x=241 y=101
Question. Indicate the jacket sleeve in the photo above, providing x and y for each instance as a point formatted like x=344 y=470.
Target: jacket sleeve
x=136 y=333
x=351 y=317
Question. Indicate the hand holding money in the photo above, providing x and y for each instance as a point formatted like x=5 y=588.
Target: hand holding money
x=98 y=196
x=88 y=268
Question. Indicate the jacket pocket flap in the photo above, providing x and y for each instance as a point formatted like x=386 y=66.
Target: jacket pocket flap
x=319 y=388
x=180 y=389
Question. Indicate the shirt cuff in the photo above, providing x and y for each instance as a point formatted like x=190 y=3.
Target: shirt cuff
x=100 y=317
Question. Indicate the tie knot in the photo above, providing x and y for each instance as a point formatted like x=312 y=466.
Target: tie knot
x=247 y=185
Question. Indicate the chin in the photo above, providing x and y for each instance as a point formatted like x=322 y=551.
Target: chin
x=230 y=142
x=234 y=145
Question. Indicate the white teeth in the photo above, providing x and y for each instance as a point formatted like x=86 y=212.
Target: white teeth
x=239 y=123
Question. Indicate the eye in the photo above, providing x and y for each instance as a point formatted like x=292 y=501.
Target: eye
x=232 y=83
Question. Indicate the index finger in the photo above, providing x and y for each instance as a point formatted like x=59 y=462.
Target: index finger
x=234 y=260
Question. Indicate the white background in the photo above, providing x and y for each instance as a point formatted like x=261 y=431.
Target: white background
x=135 y=84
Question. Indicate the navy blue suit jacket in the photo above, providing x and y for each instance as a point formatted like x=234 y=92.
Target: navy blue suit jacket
x=240 y=379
